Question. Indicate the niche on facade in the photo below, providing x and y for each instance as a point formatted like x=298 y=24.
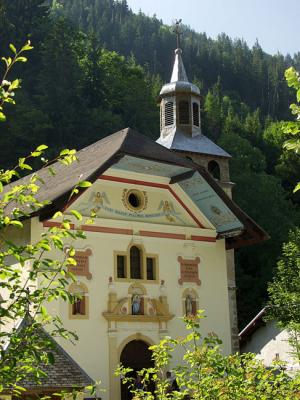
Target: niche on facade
x=137 y=306
x=79 y=309
x=137 y=299
x=189 y=271
x=82 y=268
x=190 y=302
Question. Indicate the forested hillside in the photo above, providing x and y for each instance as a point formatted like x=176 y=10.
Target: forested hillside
x=97 y=67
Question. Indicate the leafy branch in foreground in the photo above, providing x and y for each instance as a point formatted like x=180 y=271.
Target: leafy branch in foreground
x=284 y=292
x=206 y=373
x=293 y=127
x=30 y=275
x=7 y=87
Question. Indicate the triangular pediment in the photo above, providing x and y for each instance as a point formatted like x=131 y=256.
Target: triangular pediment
x=157 y=203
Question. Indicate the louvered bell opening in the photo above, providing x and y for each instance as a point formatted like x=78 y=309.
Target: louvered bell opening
x=169 y=115
x=184 y=112
x=195 y=114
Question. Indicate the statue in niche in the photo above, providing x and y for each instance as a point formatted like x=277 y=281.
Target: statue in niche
x=188 y=305
x=136 y=304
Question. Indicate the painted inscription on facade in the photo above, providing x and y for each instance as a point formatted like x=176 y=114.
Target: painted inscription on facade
x=82 y=267
x=210 y=203
x=189 y=271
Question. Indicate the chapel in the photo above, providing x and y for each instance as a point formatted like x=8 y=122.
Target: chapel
x=161 y=246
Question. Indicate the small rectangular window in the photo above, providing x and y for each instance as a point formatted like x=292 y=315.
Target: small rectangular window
x=150 y=269
x=121 y=266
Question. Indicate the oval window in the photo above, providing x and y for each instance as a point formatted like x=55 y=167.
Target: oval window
x=135 y=200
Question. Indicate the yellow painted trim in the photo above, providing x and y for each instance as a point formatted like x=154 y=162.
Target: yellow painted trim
x=136 y=318
x=114 y=360
x=190 y=291
x=137 y=285
x=141 y=195
x=78 y=283
x=135 y=336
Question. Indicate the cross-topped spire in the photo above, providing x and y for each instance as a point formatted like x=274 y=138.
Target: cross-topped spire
x=177 y=30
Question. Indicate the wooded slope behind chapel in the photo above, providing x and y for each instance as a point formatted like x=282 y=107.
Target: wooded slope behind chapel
x=78 y=88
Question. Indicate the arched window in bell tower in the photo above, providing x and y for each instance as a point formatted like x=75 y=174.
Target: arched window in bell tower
x=169 y=114
x=214 y=169
x=196 y=114
x=184 y=112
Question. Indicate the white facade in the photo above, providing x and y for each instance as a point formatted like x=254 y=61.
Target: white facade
x=101 y=339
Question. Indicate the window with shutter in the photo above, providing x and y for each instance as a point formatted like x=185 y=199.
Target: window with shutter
x=184 y=112
x=169 y=113
x=195 y=114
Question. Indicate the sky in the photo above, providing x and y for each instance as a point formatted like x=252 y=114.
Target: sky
x=275 y=23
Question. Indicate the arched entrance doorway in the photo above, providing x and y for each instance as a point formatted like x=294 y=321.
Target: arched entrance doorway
x=135 y=355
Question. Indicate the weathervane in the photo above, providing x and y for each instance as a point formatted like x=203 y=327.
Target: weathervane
x=177 y=30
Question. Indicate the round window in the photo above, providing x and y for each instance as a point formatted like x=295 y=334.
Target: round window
x=135 y=200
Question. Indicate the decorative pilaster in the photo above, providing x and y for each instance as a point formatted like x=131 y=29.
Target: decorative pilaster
x=114 y=381
x=232 y=300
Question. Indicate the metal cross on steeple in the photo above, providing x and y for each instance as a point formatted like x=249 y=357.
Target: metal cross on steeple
x=177 y=30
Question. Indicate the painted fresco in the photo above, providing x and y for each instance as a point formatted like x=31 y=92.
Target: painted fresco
x=210 y=204
x=107 y=199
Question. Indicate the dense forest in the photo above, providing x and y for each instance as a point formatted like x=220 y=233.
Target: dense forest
x=97 y=67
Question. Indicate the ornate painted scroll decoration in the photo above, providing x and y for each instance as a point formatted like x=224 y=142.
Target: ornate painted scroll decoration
x=189 y=271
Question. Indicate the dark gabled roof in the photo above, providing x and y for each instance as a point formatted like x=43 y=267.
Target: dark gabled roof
x=98 y=157
x=64 y=373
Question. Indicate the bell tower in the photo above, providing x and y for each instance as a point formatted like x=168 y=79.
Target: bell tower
x=180 y=131
x=180 y=103
x=180 y=125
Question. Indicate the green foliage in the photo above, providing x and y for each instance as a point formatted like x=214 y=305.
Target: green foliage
x=30 y=277
x=248 y=74
x=255 y=188
x=284 y=291
x=7 y=88
x=293 y=127
x=208 y=374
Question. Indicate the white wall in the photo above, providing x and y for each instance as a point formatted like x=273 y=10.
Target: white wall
x=269 y=342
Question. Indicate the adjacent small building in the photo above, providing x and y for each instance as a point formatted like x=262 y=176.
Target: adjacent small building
x=268 y=342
